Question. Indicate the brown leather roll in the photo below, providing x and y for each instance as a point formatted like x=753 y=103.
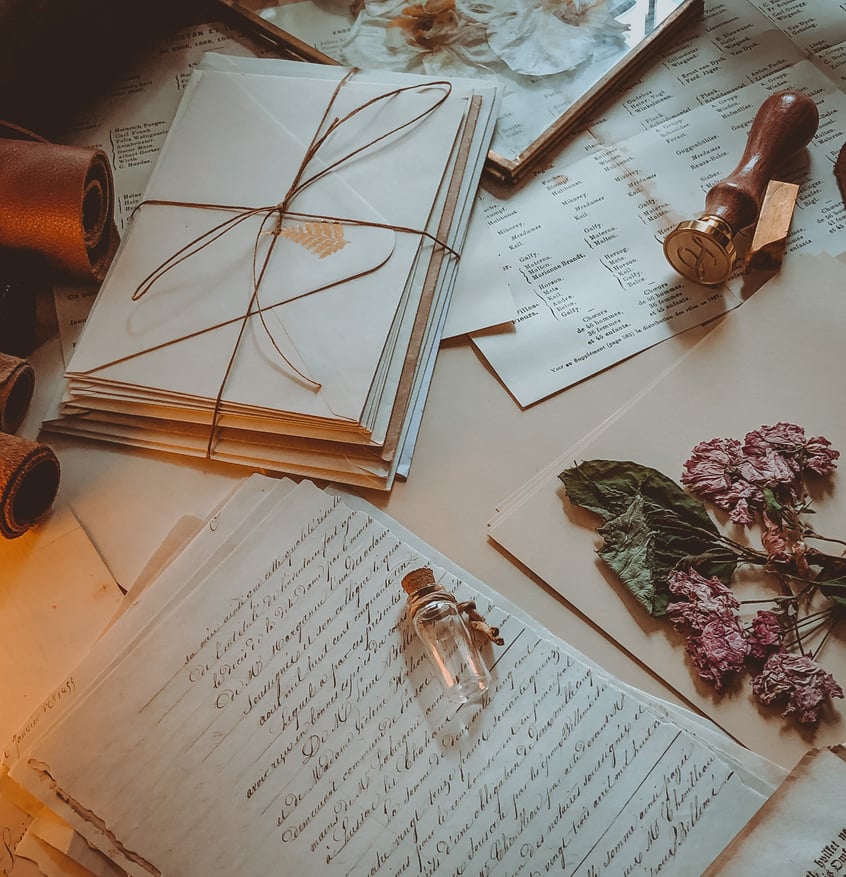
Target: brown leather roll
x=57 y=201
x=17 y=384
x=29 y=482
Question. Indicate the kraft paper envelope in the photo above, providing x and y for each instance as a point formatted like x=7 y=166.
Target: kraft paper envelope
x=231 y=145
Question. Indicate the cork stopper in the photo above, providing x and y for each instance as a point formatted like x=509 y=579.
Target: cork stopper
x=417 y=579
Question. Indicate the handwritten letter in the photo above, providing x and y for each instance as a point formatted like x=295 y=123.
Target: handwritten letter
x=283 y=711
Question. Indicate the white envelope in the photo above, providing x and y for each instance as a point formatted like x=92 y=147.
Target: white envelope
x=313 y=354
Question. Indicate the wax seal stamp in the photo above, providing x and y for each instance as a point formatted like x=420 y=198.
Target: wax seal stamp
x=703 y=249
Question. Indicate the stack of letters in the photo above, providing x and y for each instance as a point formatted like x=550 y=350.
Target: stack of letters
x=263 y=706
x=279 y=294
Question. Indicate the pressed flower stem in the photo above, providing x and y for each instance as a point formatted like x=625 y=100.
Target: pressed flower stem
x=753 y=555
x=778 y=598
x=822 y=614
x=808 y=628
x=810 y=534
x=798 y=641
x=818 y=649
x=810 y=624
x=750 y=555
x=834 y=620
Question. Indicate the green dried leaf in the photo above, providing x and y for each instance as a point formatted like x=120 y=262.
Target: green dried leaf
x=651 y=527
x=628 y=547
x=607 y=487
x=772 y=505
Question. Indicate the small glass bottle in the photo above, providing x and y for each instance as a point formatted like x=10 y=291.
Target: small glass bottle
x=449 y=642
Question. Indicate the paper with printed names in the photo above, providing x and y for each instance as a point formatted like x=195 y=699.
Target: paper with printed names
x=581 y=242
x=582 y=247
x=808 y=802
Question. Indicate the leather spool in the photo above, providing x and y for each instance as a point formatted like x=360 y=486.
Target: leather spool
x=17 y=384
x=57 y=201
x=29 y=482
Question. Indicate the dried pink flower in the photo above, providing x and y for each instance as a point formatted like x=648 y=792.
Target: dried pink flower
x=686 y=616
x=715 y=471
x=765 y=635
x=733 y=475
x=712 y=468
x=742 y=498
x=786 y=438
x=799 y=680
x=784 y=546
x=769 y=468
x=693 y=585
x=775 y=541
x=719 y=650
x=704 y=600
x=821 y=457
x=741 y=513
x=788 y=441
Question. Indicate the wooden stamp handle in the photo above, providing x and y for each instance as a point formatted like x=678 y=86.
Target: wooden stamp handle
x=783 y=125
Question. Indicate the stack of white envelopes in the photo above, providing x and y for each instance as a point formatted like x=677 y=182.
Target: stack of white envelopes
x=278 y=296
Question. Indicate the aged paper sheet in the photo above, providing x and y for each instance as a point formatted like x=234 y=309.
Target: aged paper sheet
x=800 y=831
x=35 y=840
x=580 y=244
x=581 y=248
x=56 y=597
x=741 y=375
x=280 y=695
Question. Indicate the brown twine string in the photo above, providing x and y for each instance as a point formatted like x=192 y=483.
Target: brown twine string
x=478 y=623
x=276 y=213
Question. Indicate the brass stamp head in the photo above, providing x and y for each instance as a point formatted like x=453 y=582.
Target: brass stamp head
x=701 y=250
